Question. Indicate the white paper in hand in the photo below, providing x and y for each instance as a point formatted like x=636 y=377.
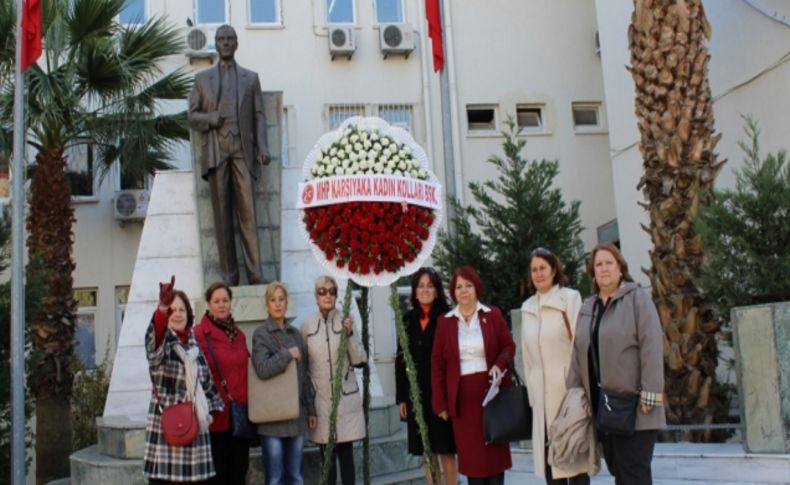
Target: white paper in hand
x=493 y=390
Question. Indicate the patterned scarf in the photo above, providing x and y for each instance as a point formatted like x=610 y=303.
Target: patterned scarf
x=228 y=326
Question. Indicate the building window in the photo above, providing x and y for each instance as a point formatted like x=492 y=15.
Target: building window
x=480 y=118
x=210 y=11
x=340 y=12
x=609 y=233
x=80 y=170
x=133 y=12
x=126 y=181
x=264 y=11
x=586 y=115
x=85 y=326
x=529 y=117
x=389 y=11
x=341 y=112
x=399 y=115
x=121 y=297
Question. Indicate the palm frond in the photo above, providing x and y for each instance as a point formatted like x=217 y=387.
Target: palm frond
x=90 y=20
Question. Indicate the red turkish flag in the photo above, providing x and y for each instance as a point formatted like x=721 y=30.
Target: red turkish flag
x=434 y=16
x=31 y=33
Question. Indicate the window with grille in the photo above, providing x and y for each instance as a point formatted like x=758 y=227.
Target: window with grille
x=399 y=115
x=341 y=112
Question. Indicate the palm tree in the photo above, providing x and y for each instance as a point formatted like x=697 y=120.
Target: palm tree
x=97 y=86
x=669 y=64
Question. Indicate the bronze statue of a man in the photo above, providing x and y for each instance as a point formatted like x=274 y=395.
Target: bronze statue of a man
x=226 y=108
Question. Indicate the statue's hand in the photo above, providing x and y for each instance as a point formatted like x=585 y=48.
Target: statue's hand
x=264 y=159
x=215 y=120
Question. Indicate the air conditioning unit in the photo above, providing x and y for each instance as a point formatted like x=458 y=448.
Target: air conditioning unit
x=341 y=41
x=200 y=41
x=396 y=39
x=131 y=205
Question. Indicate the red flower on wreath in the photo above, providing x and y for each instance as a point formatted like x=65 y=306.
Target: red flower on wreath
x=369 y=237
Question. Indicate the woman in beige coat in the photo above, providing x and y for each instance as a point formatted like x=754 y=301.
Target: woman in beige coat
x=322 y=333
x=548 y=322
x=619 y=348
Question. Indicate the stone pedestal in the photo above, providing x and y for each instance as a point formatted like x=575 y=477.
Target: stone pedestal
x=762 y=353
x=117 y=458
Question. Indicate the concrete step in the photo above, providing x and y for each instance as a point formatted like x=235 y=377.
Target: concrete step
x=388 y=457
x=124 y=437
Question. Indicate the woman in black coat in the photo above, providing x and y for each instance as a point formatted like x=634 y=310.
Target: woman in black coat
x=428 y=303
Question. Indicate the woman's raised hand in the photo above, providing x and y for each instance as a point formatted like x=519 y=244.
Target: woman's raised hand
x=167 y=292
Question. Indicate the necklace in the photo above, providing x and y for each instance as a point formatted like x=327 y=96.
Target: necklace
x=467 y=317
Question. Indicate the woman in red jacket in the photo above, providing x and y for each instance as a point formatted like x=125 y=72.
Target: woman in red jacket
x=472 y=345
x=224 y=346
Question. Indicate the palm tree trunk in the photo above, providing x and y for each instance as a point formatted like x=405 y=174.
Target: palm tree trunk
x=669 y=64
x=49 y=244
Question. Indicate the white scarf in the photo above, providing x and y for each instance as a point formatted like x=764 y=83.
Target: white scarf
x=189 y=358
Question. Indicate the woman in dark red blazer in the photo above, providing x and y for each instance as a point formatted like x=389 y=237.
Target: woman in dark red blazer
x=472 y=345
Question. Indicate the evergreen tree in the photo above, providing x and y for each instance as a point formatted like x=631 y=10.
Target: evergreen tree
x=513 y=213
x=746 y=232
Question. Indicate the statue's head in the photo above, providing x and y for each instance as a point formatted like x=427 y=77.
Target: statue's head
x=226 y=42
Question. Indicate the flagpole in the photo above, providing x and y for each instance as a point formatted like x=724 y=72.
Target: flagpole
x=17 y=268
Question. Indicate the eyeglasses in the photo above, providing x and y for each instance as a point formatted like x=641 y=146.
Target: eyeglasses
x=540 y=250
x=324 y=291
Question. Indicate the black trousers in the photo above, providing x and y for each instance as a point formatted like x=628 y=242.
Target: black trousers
x=231 y=459
x=492 y=480
x=628 y=457
x=344 y=454
x=582 y=479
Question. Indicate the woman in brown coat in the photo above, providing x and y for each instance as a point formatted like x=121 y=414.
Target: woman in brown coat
x=619 y=347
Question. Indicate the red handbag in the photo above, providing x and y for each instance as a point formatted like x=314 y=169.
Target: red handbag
x=180 y=424
x=179 y=421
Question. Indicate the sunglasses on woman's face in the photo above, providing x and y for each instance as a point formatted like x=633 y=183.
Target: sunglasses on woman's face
x=324 y=291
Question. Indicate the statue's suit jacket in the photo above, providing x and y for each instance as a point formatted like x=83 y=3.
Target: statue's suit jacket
x=204 y=101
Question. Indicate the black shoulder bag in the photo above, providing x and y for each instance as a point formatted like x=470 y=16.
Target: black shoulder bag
x=616 y=411
x=508 y=416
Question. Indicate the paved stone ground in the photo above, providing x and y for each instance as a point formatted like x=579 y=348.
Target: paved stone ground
x=685 y=464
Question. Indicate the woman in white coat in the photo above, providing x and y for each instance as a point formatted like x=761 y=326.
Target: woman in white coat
x=548 y=324
x=322 y=333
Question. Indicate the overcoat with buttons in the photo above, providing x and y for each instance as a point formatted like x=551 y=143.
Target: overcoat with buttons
x=322 y=338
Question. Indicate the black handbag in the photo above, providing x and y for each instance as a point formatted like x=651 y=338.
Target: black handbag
x=240 y=425
x=508 y=416
x=616 y=413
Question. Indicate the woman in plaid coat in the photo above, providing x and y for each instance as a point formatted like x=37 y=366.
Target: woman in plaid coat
x=173 y=354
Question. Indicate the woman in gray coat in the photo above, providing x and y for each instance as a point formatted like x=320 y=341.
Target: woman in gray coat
x=618 y=347
x=274 y=345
